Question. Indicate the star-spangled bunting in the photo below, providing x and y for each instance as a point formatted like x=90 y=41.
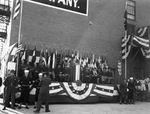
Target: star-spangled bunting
x=82 y=91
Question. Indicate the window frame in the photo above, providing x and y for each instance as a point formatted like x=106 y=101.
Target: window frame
x=134 y=10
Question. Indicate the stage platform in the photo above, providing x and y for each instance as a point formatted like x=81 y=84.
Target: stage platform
x=77 y=92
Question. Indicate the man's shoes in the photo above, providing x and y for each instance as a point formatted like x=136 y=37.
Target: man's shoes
x=36 y=111
x=13 y=108
x=4 y=108
x=47 y=111
x=27 y=107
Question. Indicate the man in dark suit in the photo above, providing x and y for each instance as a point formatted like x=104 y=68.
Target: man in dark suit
x=10 y=84
x=26 y=83
x=123 y=91
x=0 y=81
x=44 y=93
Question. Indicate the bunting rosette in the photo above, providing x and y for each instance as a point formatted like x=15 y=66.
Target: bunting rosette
x=78 y=92
x=82 y=91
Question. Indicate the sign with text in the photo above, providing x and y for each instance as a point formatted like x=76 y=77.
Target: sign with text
x=74 y=6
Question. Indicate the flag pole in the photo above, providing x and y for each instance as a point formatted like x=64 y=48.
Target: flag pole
x=19 y=35
x=125 y=57
x=126 y=38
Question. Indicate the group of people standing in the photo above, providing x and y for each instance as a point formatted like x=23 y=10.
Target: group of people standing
x=26 y=84
x=133 y=87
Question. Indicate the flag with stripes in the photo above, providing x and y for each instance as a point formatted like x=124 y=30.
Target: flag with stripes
x=79 y=91
x=105 y=91
x=126 y=40
x=142 y=32
x=142 y=41
x=11 y=52
x=126 y=46
x=125 y=20
x=19 y=48
x=17 y=9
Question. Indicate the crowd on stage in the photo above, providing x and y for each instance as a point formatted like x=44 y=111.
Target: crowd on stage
x=36 y=75
x=133 y=89
x=64 y=70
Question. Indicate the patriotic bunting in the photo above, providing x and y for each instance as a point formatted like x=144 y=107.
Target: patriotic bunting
x=142 y=41
x=82 y=91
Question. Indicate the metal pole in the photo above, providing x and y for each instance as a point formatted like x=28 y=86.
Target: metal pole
x=19 y=35
x=126 y=57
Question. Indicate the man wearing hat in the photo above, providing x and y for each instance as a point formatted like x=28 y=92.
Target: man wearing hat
x=37 y=85
x=10 y=84
x=44 y=93
x=131 y=87
x=25 y=82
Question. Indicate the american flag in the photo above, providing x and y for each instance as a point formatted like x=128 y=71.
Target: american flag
x=126 y=46
x=19 y=48
x=142 y=41
x=17 y=9
x=126 y=40
x=142 y=32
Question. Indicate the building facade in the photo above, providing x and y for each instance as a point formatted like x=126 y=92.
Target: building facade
x=99 y=33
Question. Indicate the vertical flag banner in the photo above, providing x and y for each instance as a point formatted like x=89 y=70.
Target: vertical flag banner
x=126 y=46
x=17 y=9
x=34 y=56
x=26 y=60
x=119 y=68
x=24 y=53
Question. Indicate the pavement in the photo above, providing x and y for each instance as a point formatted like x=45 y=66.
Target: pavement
x=98 y=108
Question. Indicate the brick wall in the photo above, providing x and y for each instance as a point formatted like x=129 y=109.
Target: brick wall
x=98 y=33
